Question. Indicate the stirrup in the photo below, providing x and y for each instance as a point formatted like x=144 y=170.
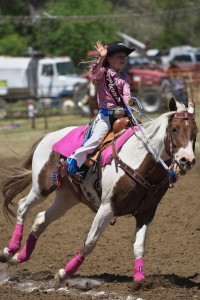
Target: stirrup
x=72 y=166
x=78 y=177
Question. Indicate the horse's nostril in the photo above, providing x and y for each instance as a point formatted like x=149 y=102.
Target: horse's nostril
x=183 y=161
x=186 y=163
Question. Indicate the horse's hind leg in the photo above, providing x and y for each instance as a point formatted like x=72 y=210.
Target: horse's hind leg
x=101 y=220
x=24 y=206
x=43 y=219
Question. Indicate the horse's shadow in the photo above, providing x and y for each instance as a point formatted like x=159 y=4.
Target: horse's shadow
x=185 y=282
x=153 y=280
x=150 y=282
x=172 y=279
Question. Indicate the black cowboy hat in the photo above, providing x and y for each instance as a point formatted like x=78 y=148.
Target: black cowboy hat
x=117 y=46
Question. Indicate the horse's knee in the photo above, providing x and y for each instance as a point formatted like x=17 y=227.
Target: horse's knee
x=39 y=224
x=21 y=211
x=88 y=247
x=25 y=204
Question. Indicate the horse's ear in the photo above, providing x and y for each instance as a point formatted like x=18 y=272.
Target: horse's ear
x=172 y=104
x=176 y=105
x=191 y=106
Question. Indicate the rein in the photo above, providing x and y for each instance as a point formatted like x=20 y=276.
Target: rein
x=152 y=188
x=138 y=178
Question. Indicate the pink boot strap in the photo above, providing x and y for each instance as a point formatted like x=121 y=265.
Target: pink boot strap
x=15 y=241
x=28 y=248
x=74 y=264
x=139 y=269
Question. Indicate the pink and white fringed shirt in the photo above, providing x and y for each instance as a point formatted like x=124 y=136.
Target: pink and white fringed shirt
x=104 y=98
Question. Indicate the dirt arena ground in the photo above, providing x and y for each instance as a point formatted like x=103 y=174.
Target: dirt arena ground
x=172 y=258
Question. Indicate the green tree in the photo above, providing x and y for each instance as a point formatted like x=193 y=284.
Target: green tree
x=12 y=44
x=84 y=22
x=73 y=37
x=164 y=23
x=13 y=7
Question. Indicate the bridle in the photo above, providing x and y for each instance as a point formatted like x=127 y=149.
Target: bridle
x=136 y=177
x=179 y=115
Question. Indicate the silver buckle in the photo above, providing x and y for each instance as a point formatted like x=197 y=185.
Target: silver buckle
x=119 y=112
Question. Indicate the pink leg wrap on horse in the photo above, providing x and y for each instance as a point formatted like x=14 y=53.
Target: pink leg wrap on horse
x=139 y=269
x=74 y=264
x=15 y=241
x=27 y=250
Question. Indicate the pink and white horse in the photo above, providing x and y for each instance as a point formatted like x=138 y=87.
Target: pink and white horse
x=133 y=183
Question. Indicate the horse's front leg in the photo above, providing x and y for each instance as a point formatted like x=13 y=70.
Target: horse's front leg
x=138 y=248
x=101 y=220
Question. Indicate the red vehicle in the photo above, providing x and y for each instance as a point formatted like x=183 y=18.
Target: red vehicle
x=145 y=79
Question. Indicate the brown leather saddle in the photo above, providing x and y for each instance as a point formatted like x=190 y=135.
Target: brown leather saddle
x=119 y=126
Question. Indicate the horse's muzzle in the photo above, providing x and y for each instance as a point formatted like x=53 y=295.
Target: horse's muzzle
x=185 y=165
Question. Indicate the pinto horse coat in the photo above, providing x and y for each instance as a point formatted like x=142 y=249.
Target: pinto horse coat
x=166 y=140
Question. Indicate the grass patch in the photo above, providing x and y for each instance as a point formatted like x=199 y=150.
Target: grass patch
x=16 y=142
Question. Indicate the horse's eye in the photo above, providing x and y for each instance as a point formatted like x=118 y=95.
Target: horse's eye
x=174 y=130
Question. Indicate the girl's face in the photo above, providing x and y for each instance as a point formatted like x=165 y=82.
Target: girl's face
x=117 y=60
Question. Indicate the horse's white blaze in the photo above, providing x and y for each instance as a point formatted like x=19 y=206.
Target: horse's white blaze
x=186 y=152
x=139 y=244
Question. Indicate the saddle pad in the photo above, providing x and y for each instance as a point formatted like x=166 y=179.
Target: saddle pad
x=106 y=154
x=71 y=141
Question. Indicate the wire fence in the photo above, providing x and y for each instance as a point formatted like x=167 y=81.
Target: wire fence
x=191 y=76
x=73 y=103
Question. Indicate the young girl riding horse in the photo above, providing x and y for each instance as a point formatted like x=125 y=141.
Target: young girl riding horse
x=113 y=96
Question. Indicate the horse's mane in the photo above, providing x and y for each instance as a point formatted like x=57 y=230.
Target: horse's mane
x=155 y=131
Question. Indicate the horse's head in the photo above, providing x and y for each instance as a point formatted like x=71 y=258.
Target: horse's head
x=181 y=136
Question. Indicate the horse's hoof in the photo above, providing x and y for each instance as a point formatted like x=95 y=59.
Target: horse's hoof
x=5 y=256
x=14 y=260
x=138 y=276
x=60 y=276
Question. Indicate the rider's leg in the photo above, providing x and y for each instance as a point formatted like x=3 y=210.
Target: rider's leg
x=100 y=128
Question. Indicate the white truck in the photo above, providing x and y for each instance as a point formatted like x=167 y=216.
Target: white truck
x=36 y=78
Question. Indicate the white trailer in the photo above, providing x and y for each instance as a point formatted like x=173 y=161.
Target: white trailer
x=27 y=77
x=23 y=77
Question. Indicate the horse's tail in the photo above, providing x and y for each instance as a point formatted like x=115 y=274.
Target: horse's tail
x=18 y=178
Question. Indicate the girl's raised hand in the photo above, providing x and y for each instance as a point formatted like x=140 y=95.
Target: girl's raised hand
x=101 y=49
